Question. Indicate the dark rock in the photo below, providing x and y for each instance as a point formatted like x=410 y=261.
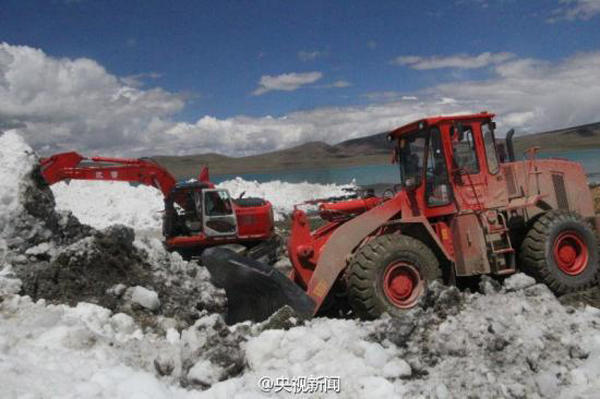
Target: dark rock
x=164 y=365
x=576 y=352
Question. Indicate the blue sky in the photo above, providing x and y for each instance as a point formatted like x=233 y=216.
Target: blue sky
x=310 y=55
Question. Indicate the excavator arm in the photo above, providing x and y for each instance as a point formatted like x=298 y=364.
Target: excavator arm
x=71 y=165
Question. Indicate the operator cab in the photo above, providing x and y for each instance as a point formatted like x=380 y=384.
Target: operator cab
x=197 y=208
x=448 y=163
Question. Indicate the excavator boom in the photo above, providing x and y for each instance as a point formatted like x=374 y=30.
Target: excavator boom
x=71 y=165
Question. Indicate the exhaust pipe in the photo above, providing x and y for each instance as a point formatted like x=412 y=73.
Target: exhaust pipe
x=509 y=145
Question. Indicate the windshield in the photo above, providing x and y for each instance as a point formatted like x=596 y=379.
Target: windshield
x=411 y=151
x=217 y=203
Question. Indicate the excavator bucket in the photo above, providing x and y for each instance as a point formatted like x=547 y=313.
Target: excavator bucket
x=254 y=290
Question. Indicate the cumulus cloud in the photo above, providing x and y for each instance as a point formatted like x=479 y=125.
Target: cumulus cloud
x=576 y=9
x=77 y=103
x=527 y=94
x=244 y=135
x=461 y=61
x=286 y=82
x=537 y=95
x=65 y=104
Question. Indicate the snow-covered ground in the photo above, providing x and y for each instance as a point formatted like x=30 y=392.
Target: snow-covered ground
x=101 y=204
x=512 y=341
x=520 y=344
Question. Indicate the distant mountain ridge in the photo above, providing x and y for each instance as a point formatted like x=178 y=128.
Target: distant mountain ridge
x=368 y=150
x=572 y=138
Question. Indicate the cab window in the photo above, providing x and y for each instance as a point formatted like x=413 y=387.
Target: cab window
x=411 y=153
x=438 y=187
x=490 y=148
x=217 y=203
x=463 y=147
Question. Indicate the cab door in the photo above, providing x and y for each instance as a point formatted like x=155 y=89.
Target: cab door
x=218 y=216
x=475 y=169
x=468 y=169
x=439 y=196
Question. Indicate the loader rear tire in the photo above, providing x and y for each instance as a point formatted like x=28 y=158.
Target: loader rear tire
x=561 y=251
x=390 y=274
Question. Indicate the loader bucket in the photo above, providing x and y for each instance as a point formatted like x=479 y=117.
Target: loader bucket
x=254 y=290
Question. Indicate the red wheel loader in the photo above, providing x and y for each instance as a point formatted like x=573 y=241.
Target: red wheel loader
x=197 y=215
x=462 y=208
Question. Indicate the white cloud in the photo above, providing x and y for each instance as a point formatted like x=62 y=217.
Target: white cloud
x=64 y=104
x=529 y=95
x=138 y=79
x=388 y=96
x=244 y=135
x=77 y=103
x=338 y=84
x=309 y=55
x=462 y=61
x=576 y=9
x=537 y=95
x=286 y=82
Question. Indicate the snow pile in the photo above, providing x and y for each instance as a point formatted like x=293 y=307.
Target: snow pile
x=283 y=196
x=106 y=268
x=102 y=203
x=16 y=160
x=87 y=351
x=138 y=290
x=49 y=254
x=517 y=344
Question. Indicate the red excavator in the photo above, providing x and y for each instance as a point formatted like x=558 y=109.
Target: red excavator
x=197 y=215
x=461 y=210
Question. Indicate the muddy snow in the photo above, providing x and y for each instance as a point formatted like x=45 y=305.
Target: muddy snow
x=89 y=309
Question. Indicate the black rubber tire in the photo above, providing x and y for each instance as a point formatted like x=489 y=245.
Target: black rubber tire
x=536 y=254
x=249 y=202
x=366 y=269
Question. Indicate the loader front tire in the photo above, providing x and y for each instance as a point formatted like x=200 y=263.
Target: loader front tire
x=390 y=274
x=561 y=251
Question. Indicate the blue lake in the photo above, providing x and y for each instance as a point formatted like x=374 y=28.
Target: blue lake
x=388 y=173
